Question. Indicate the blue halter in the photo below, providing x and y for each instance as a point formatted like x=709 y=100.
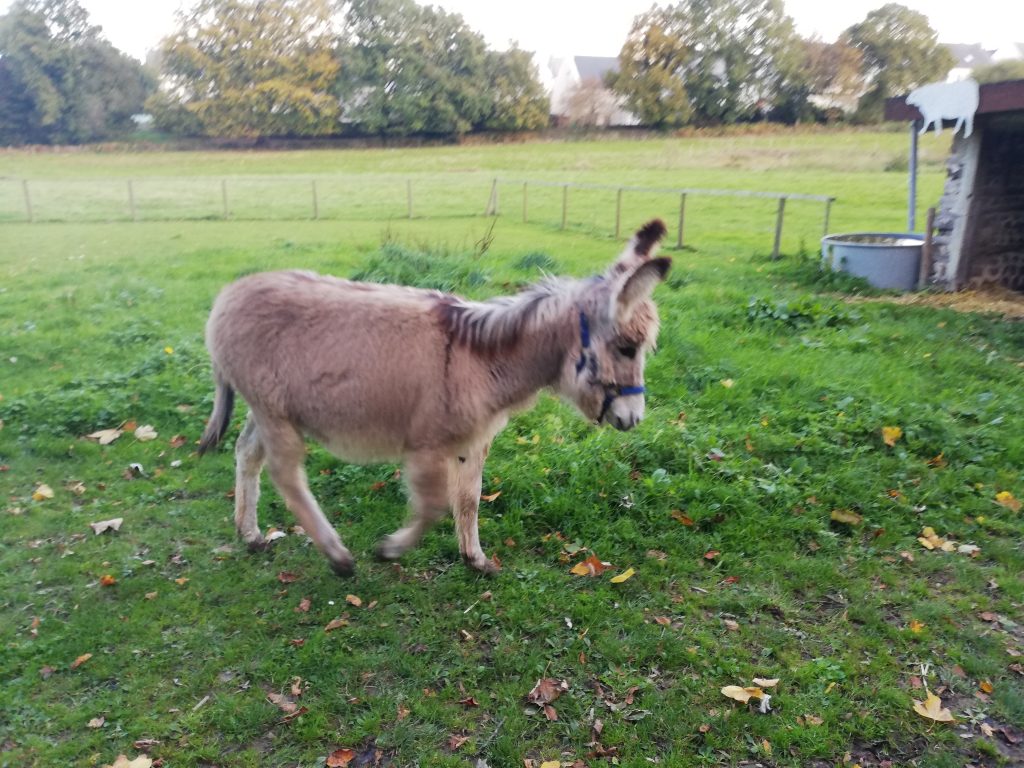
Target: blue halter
x=612 y=390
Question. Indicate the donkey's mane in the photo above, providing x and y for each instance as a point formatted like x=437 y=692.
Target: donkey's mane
x=498 y=323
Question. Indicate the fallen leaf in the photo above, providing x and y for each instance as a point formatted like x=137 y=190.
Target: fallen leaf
x=916 y=626
x=624 y=576
x=932 y=709
x=986 y=730
x=742 y=694
x=145 y=433
x=139 y=762
x=550 y=764
x=335 y=624
x=682 y=517
x=727 y=383
x=890 y=435
x=765 y=682
x=304 y=605
x=969 y=549
x=469 y=702
x=340 y=758
x=455 y=741
x=46 y=672
x=592 y=566
x=81 y=660
x=151 y=595
x=711 y=554
x=106 y=580
x=1006 y=499
x=986 y=687
x=663 y=620
x=282 y=702
x=353 y=600
x=546 y=690
x=113 y=524
x=178 y=440
x=732 y=626
x=96 y=722
x=77 y=487
x=812 y=720
x=181 y=581
x=491 y=496
x=146 y=743
x=42 y=493
x=846 y=517
x=105 y=436
x=287 y=577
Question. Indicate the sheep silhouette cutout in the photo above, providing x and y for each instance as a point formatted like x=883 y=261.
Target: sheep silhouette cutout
x=946 y=101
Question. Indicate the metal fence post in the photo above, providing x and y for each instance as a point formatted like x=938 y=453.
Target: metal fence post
x=682 y=219
x=778 y=228
x=28 y=200
x=828 y=214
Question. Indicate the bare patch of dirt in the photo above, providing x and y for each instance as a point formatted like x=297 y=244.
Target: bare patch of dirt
x=991 y=300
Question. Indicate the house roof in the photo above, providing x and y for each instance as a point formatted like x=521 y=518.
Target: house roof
x=970 y=55
x=1007 y=96
x=595 y=67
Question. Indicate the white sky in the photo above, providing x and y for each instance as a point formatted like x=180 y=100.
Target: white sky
x=562 y=27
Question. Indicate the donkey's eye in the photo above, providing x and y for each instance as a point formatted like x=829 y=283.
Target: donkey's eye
x=629 y=352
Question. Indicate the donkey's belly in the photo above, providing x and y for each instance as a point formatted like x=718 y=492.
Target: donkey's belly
x=363 y=448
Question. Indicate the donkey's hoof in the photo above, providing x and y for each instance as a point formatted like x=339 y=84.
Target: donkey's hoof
x=344 y=568
x=258 y=545
x=482 y=565
x=387 y=550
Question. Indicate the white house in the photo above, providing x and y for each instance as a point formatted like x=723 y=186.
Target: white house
x=579 y=95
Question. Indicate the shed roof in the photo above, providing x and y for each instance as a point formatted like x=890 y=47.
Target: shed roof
x=1007 y=96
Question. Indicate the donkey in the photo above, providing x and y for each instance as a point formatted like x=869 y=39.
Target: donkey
x=382 y=373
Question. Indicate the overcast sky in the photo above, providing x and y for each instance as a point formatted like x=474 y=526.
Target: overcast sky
x=579 y=27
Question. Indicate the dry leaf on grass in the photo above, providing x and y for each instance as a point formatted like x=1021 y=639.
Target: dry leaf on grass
x=340 y=758
x=741 y=694
x=624 y=576
x=592 y=566
x=890 y=435
x=105 y=436
x=81 y=660
x=353 y=600
x=932 y=709
x=42 y=493
x=846 y=517
x=102 y=526
x=96 y=722
x=1006 y=499
x=139 y=762
x=145 y=433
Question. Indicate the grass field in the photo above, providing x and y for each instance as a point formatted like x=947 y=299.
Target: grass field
x=767 y=403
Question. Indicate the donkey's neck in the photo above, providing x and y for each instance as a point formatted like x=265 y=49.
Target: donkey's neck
x=533 y=363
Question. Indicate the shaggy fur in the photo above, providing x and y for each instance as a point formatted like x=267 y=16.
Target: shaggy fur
x=380 y=372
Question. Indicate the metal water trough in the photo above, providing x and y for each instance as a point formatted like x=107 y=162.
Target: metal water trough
x=884 y=259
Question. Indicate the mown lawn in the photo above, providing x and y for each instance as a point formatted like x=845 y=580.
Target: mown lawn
x=768 y=399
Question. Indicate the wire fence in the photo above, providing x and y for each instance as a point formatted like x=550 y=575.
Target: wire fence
x=694 y=215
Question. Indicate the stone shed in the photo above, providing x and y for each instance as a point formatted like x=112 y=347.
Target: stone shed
x=979 y=223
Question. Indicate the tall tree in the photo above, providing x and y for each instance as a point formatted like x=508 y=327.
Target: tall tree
x=411 y=69
x=901 y=51
x=819 y=79
x=246 y=68
x=518 y=101
x=60 y=81
x=706 y=61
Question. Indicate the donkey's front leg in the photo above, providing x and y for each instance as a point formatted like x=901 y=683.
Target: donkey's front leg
x=465 y=483
x=427 y=476
x=249 y=458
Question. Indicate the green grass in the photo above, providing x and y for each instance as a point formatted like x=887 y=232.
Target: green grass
x=102 y=323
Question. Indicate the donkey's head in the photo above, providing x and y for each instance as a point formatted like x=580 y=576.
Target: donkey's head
x=618 y=323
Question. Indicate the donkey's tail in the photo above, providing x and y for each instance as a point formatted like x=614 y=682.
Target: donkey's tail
x=223 y=403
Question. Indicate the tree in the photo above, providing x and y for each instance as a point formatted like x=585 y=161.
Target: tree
x=411 y=69
x=247 y=68
x=518 y=101
x=60 y=81
x=706 y=61
x=591 y=104
x=820 y=79
x=901 y=51
x=1011 y=69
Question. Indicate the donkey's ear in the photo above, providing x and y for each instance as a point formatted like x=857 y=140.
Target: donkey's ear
x=640 y=285
x=641 y=247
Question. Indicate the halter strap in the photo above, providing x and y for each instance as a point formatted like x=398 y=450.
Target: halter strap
x=612 y=391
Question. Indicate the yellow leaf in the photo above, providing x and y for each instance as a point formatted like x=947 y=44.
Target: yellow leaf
x=589 y=567
x=742 y=694
x=105 y=436
x=42 y=493
x=727 y=383
x=624 y=576
x=986 y=686
x=890 y=435
x=932 y=709
x=916 y=626
x=766 y=682
x=139 y=762
x=550 y=764
x=846 y=516
x=491 y=496
x=168 y=350
x=1007 y=500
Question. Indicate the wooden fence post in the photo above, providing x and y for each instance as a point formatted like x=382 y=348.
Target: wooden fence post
x=131 y=201
x=828 y=214
x=28 y=200
x=408 y=195
x=682 y=219
x=316 y=201
x=618 y=213
x=565 y=204
x=492 y=204
x=778 y=228
x=524 y=203
x=224 y=196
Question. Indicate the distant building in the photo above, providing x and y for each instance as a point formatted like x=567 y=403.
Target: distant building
x=579 y=95
x=970 y=56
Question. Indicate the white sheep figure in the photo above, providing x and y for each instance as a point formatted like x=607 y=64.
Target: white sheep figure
x=951 y=101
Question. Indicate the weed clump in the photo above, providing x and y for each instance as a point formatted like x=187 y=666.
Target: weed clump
x=400 y=264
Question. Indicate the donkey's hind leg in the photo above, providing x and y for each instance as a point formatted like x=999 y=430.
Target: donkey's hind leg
x=427 y=476
x=286 y=454
x=249 y=457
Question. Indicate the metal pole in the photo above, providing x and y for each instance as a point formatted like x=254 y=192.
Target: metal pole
x=524 y=202
x=828 y=214
x=926 y=251
x=408 y=195
x=618 y=213
x=28 y=200
x=912 y=205
x=224 y=195
x=316 y=202
x=131 y=201
x=565 y=204
x=682 y=219
x=778 y=228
